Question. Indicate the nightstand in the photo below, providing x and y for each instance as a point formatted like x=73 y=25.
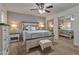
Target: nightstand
x=14 y=36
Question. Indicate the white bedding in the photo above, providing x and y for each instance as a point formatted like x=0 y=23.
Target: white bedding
x=35 y=34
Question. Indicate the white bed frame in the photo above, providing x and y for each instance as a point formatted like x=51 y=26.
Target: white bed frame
x=34 y=41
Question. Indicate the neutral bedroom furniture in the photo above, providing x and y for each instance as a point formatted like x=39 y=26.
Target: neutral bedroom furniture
x=45 y=43
x=36 y=34
x=4 y=39
x=32 y=36
x=34 y=42
x=14 y=36
x=66 y=33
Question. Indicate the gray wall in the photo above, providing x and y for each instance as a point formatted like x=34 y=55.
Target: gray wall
x=17 y=17
x=24 y=17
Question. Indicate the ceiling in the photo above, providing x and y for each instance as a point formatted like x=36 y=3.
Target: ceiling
x=25 y=8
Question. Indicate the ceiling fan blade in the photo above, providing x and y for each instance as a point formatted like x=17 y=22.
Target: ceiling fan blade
x=37 y=4
x=40 y=5
x=49 y=6
x=33 y=9
x=47 y=11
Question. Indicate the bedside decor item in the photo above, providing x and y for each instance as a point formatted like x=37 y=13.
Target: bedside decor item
x=50 y=25
x=41 y=25
x=15 y=26
x=72 y=18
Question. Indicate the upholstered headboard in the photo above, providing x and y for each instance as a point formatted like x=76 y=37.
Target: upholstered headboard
x=29 y=26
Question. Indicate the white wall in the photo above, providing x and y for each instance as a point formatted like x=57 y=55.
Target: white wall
x=55 y=29
x=73 y=11
x=76 y=30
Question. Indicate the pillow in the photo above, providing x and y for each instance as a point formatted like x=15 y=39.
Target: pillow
x=33 y=28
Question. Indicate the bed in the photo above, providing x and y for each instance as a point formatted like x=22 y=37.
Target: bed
x=32 y=37
x=35 y=34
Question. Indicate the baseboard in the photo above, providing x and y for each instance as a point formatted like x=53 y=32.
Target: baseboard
x=76 y=46
x=1 y=53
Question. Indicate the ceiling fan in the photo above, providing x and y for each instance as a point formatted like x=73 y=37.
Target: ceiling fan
x=42 y=8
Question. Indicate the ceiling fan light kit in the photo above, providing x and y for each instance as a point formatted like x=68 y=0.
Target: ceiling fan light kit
x=41 y=11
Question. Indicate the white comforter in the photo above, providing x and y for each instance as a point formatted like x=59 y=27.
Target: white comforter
x=35 y=34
